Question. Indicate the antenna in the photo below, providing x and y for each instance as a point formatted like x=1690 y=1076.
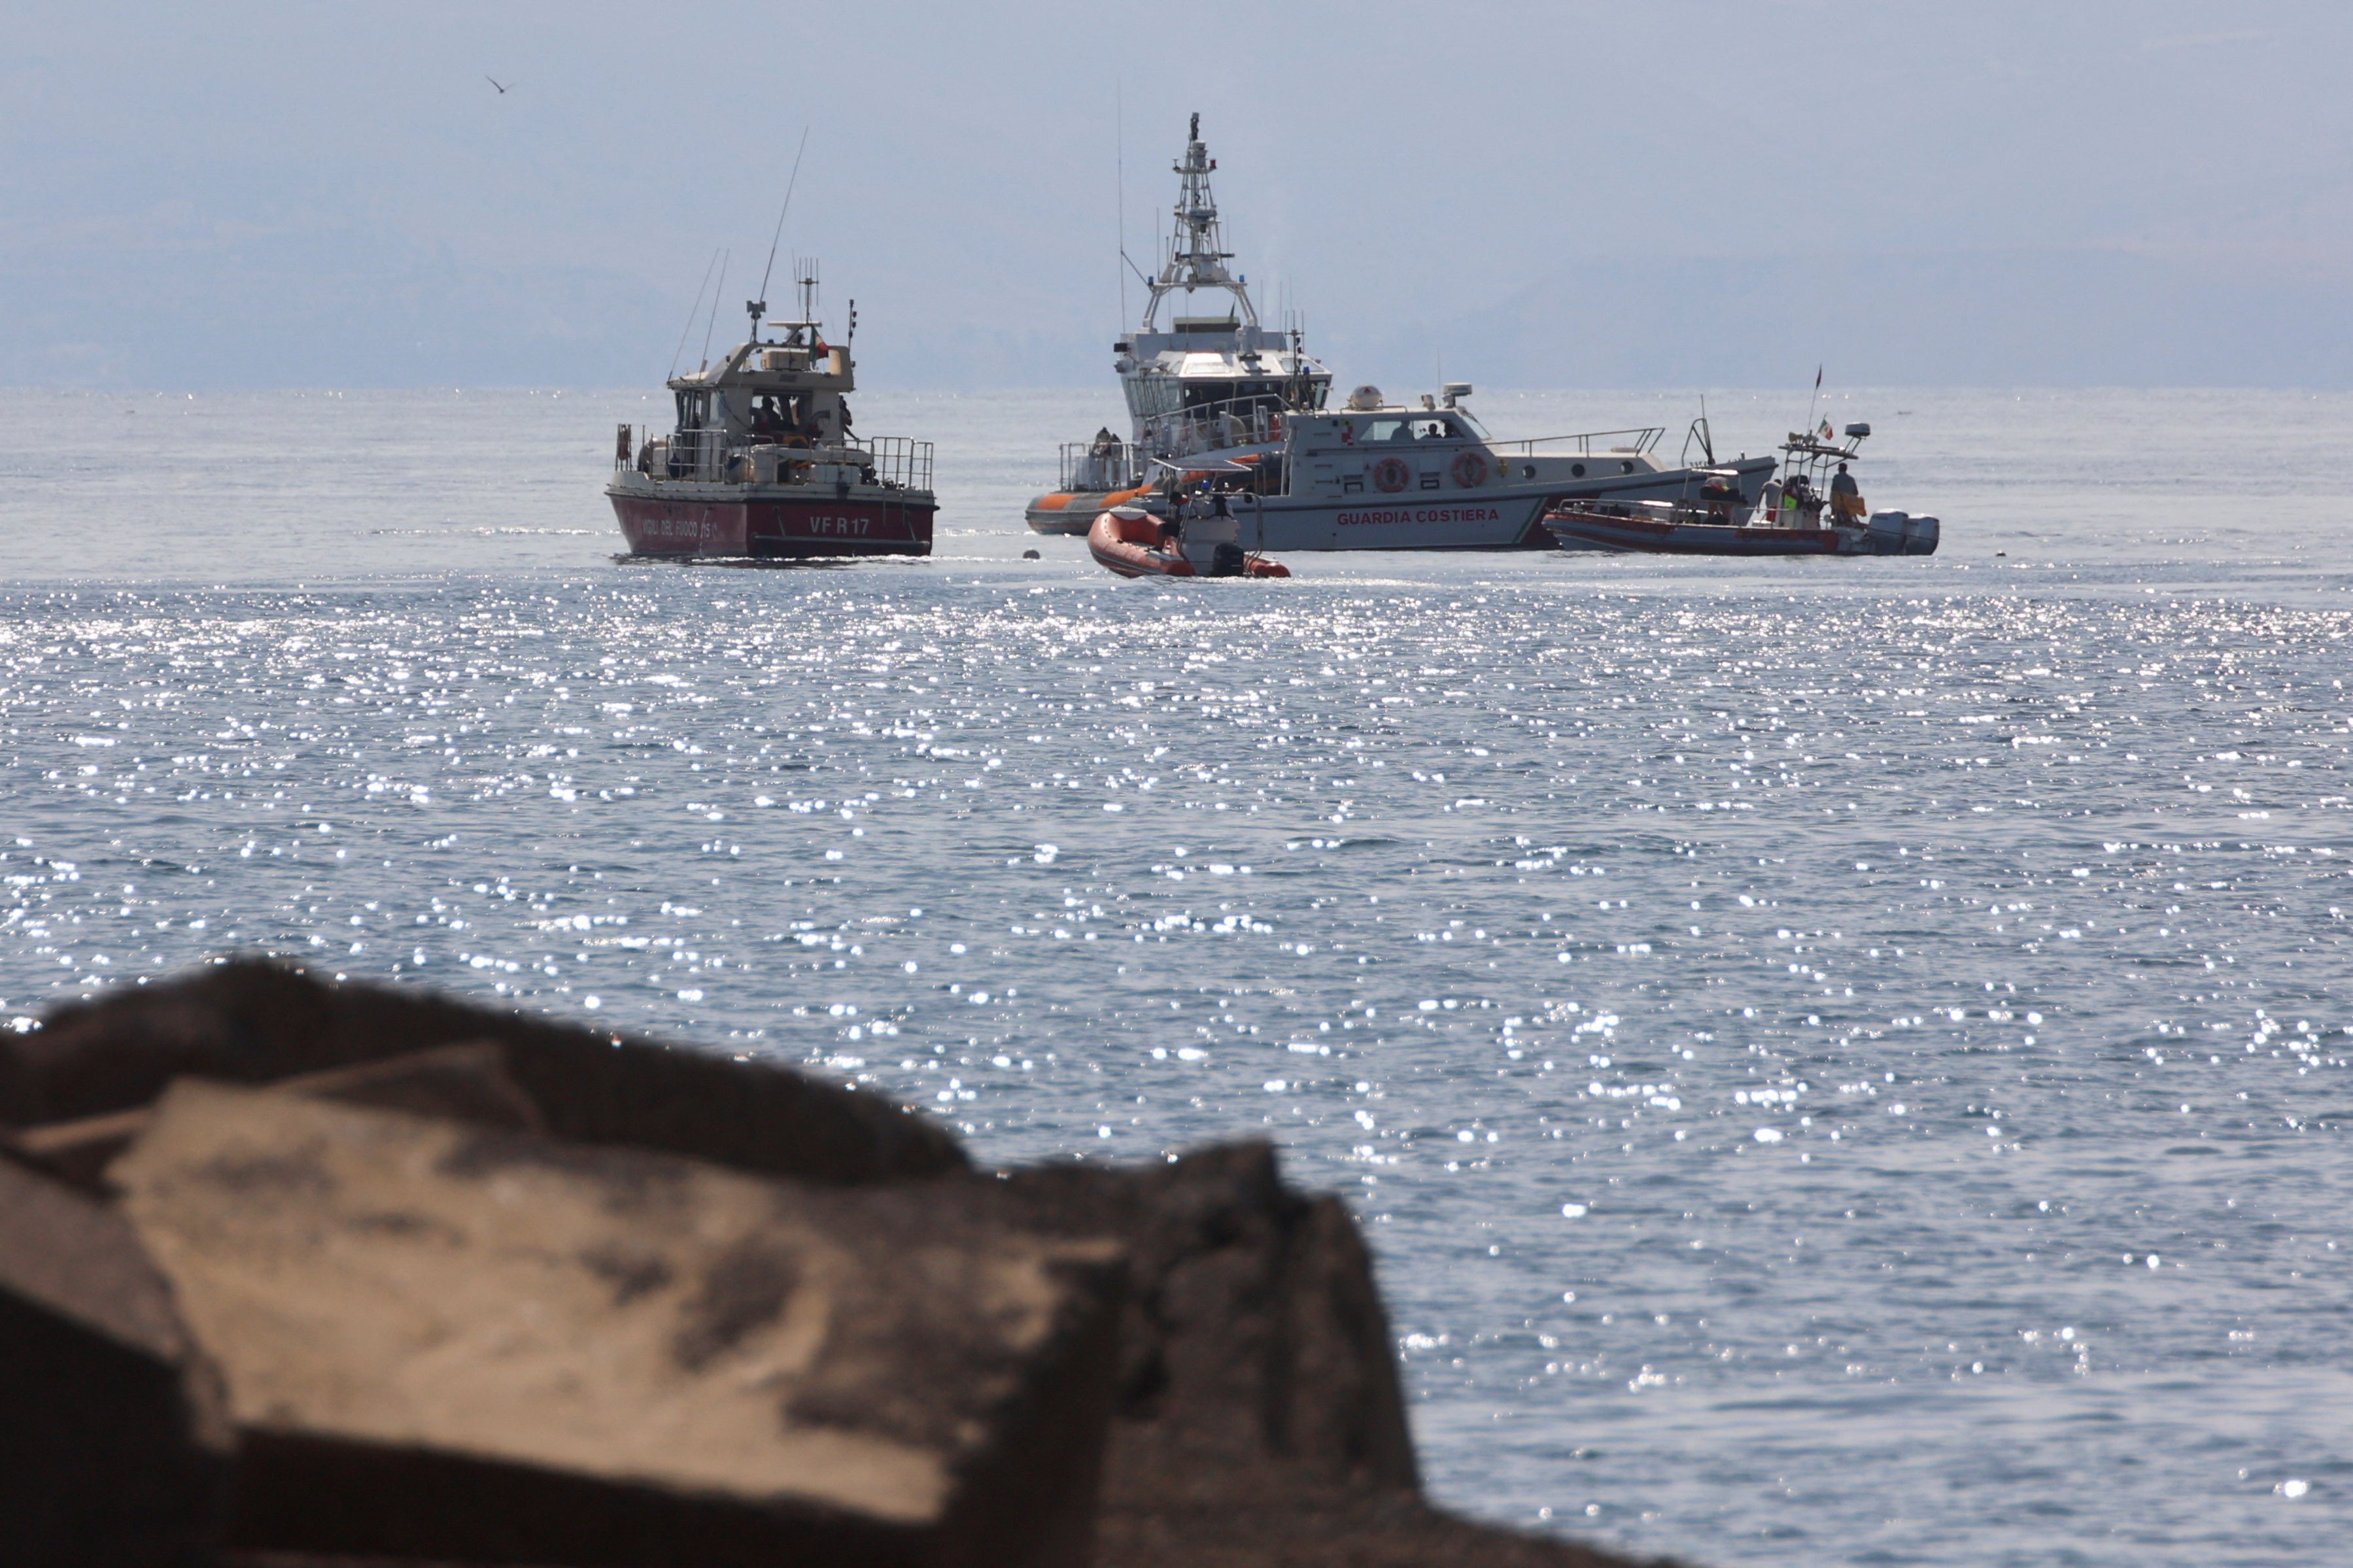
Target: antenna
x=759 y=306
x=805 y=278
x=715 y=307
x=1813 y=400
x=688 y=331
x=1119 y=145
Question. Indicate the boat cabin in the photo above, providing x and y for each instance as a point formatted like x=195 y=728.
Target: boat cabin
x=1197 y=381
x=1372 y=448
x=775 y=411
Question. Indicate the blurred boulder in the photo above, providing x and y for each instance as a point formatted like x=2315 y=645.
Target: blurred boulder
x=253 y=1021
x=474 y=1288
x=463 y=1083
x=447 y=1341
x=1253 y=1328
x=113 y=1447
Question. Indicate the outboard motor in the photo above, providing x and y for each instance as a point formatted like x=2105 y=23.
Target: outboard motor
x=1227 y=560
x=1920 y=535
x=1885 y=535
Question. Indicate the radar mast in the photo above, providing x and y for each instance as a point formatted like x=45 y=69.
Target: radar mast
x=1196 y=257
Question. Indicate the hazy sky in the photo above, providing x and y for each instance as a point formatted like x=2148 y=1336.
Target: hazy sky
x=1672 y=194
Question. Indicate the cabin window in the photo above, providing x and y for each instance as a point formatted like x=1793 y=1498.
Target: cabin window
x=779 y=413
x=1241 y=396
x=1150 y=396
x=1391 y=430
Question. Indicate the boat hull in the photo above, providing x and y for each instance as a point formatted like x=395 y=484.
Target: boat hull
x=1573 y=528
x=1126 y=542
x=1490 y=517
x=1632 y=535
x=776 y=526
x=1073 y=512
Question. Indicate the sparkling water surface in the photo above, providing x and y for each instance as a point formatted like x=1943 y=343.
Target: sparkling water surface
x=1840 y=1058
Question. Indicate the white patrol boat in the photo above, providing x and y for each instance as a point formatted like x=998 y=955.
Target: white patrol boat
x=1375 y=476
x=763 y=461
x=1218 y=403
x=1222 y=371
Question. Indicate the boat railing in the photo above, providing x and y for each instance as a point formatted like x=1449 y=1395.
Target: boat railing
x=1643 y=439
x=1096 y=465
x=1255 y=421
x=899 y=462
x=698 y=455
x=708 y=456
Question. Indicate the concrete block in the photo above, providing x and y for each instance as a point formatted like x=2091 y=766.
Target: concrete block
x=443 y=1341
x=255 y=1021
x=113 y=1449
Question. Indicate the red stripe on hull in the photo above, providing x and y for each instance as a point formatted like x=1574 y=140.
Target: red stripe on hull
x=779 y=529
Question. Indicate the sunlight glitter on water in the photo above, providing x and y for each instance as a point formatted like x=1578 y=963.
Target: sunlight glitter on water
x=1754 y=1023
x=1628 y=895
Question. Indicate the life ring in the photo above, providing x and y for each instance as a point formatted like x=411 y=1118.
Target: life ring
x=1470 y=469
x=1390 y=474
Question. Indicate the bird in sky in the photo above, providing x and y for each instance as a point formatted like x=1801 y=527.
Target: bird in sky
x=494 y=83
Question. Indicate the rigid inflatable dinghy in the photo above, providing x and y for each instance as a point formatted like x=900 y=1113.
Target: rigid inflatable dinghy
x=1130 y=540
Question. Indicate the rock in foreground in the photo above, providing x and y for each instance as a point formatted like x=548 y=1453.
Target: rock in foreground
x=573 y=1341
x=248 y=1021
x=544 y=1299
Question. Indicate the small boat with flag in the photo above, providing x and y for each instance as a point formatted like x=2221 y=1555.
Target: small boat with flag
x=1787 y=520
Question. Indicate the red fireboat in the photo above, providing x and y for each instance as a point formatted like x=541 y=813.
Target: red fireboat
x=763 y=461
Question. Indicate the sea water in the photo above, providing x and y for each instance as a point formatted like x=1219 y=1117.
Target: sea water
x=1843 y=1060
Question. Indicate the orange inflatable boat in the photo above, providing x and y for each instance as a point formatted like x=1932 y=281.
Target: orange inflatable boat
x=1127 y=540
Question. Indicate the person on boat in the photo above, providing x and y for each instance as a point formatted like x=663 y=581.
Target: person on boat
x=1846 y=497
x=1797 y=500
x=767 y=419
x=1181 y=509
x=1719 y=495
